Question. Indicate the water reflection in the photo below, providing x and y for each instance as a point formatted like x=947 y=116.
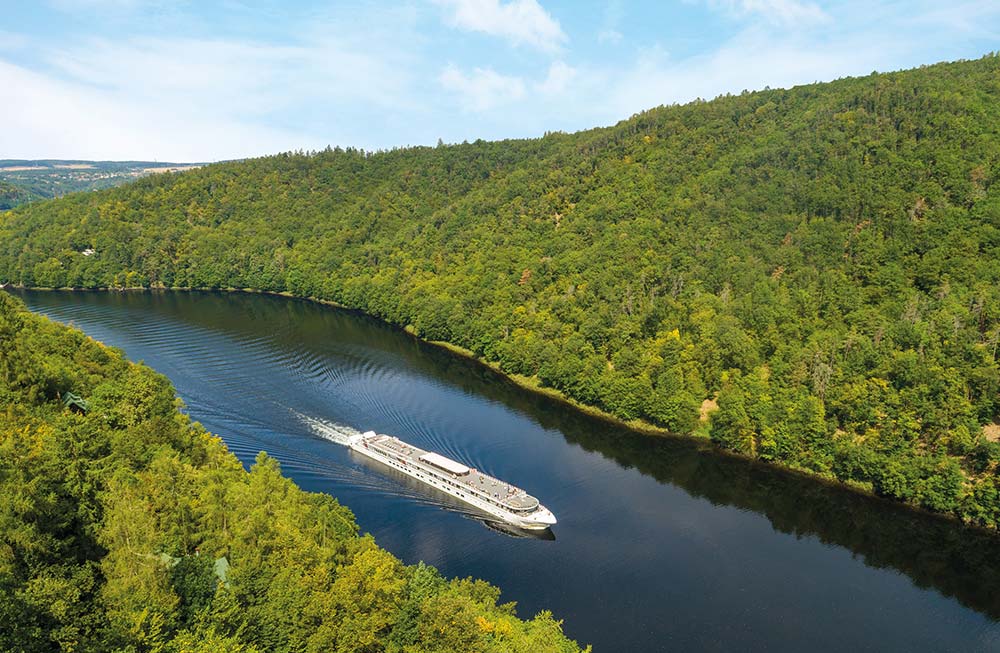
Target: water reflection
x=545 y=534
x=741 y=556
x=935 y=552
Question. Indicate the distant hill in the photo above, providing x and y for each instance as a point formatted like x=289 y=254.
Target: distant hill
x=811 y=276
x=23 y=181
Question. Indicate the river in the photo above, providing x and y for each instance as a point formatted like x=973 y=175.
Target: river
x=661 y=545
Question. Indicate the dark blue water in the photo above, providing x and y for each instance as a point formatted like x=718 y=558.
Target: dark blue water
x=661 y=544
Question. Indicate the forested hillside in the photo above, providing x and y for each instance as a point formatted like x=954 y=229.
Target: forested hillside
x=129 y=528
x=824 y=262
x=11 y=195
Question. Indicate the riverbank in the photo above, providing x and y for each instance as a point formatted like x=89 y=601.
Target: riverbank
x=532 y=385
x=527 y=383
x=652 y=521
x=181 y=523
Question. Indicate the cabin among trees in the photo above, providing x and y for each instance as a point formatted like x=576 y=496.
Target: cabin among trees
x=75 y=403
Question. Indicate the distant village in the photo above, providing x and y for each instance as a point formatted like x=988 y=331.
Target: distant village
x=28 y=181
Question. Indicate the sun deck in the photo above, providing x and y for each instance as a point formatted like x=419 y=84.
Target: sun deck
x=509 y=496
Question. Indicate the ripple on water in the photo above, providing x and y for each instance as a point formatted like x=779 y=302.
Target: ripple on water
x=737 y=556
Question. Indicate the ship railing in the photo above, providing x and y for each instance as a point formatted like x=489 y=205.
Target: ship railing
x=511 y=491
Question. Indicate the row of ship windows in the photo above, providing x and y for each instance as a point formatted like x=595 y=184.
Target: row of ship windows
x=419 y=475
x=455 y=485
x=433 y=480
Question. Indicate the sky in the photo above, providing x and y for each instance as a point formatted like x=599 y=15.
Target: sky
x=205 y=81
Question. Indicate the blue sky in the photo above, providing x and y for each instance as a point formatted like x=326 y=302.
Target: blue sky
x=202 y=81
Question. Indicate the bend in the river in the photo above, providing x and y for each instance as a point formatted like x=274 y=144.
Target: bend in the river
x=663 y=544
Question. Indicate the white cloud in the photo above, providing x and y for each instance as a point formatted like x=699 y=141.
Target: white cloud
x=192 y=99
x=521 y=22
x=12 y=41
x=609 y=36
x=103 y=5
x=69 y=120
x=610 y=31
x=752 y=60
x=973 y=18
x=787 y=12
x=483 y=89
x=852 y=38
x=227 y=76
x=378 y=77
x=557 y=80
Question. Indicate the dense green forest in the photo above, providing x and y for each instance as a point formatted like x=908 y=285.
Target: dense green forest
x=12 y=195
x=129 y=528
x=820 y=263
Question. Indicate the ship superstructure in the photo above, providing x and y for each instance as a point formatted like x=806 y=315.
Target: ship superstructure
x=491 y=495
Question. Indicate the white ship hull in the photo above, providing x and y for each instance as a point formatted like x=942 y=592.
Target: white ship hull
x=485 y=493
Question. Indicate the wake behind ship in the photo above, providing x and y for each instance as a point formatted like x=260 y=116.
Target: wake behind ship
x=491 y=495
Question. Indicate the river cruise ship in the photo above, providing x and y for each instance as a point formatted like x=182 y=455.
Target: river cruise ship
x=490 y=495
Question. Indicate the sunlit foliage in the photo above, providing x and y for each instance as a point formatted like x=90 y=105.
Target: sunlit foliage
x=129 y=528
x=823 y=262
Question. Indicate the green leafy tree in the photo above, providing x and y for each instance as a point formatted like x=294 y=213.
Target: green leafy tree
x=129 y=528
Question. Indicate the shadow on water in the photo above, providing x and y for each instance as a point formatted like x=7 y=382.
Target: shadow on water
x=545 y=535
x=932 y=552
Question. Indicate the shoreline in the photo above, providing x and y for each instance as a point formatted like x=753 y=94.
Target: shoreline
x=527 y=383
x=524 y=382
